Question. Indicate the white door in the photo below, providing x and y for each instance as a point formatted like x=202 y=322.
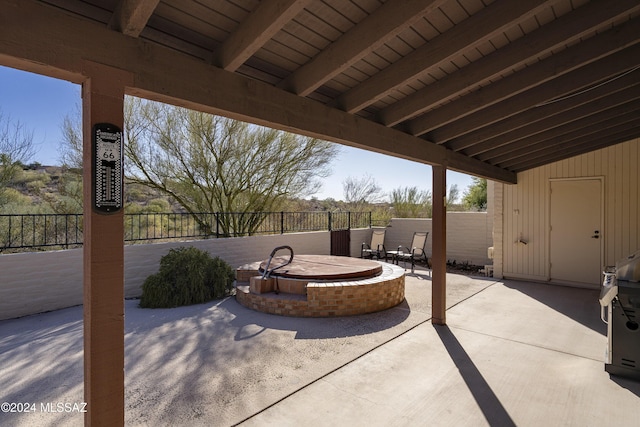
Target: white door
x=575 y=239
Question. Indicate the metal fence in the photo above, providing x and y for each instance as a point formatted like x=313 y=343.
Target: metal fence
x=63 y=231
x=40 y=231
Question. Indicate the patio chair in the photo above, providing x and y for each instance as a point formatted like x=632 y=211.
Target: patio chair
x=376 y=248
x=416 y=253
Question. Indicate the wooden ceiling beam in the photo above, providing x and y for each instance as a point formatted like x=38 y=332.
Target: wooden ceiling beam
x=566 y=29
x=477 y=29
x=515 y=138
x=582 y=127
x=600 y=132
x=131 y=16
x=260 y=26
x=581 y=147
x=533 y=115
x=382 y=25
x=529 y=81
x=166 y=75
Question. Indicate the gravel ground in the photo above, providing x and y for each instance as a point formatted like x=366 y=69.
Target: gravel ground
x=212 y=364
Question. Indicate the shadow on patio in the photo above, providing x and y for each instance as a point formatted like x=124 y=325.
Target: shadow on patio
x=512 y=353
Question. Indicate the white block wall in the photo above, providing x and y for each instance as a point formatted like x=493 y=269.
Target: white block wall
x=143 y=260
x=469 y=235
x=39 y=281
x=36 y=282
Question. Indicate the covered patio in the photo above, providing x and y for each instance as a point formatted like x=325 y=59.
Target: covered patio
x=489 y=88
x=512 y=353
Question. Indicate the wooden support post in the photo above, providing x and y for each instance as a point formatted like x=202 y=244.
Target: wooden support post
x=439 y=247
x=103 y=253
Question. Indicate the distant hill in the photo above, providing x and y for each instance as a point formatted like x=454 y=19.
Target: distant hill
x=58 y=189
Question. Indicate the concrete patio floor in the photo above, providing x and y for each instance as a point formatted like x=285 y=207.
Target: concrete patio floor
x=513 y=353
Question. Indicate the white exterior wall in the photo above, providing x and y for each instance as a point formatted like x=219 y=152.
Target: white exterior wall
x=495 y=195
x=35 y=282
x=469 y=235
x=39 y=281
x=522 y=210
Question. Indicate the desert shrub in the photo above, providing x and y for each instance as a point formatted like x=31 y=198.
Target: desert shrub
x=187 y=276
x=158 y=205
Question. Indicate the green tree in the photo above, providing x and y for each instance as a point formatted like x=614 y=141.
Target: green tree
x=209 y=163
x=16 y=149
x=410 y=202
x=70 y=157
x=475 y=196
x=70 y=147
x=452 y=195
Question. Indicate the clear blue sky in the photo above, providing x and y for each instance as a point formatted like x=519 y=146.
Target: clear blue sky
x=41 y=103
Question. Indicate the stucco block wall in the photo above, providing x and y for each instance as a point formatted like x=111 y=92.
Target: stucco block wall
x=358 y=237
x=143 y=260
x=35 y=282
x=43 y=281
x=39 y=281
x=469 y=235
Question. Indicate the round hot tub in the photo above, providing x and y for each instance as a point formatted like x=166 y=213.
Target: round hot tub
x=323 y=267
x=319 y=286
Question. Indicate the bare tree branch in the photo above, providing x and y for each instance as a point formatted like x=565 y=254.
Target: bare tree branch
x=16 y=149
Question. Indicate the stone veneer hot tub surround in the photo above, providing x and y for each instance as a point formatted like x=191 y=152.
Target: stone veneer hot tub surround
x=323 y=298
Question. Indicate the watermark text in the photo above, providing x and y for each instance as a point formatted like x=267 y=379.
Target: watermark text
x=48 y=407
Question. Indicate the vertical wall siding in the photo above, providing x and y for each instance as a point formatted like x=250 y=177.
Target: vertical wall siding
x=525 y=208
x=495 y=205
x=524 y=216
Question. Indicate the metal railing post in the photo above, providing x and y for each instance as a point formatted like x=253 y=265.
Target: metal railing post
x=281 y=222
x=66 y=231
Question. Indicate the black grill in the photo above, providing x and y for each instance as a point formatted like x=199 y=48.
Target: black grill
x=620 y=300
